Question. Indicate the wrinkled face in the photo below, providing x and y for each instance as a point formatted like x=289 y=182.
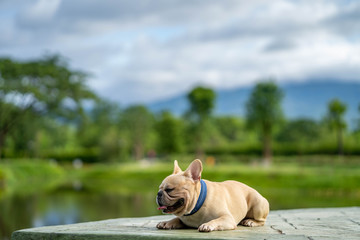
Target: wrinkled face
x=175 y=193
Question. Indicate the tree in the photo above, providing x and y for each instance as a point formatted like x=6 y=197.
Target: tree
x=201 y=102
x=263 y=111
x=99 y=129
x=299 y=130
x=230 y=127
x=102 y=116
x=138 y=122
x=335 y=117
x=169 y=130
x=201 y=105
x=22 y=136
x=44 y=87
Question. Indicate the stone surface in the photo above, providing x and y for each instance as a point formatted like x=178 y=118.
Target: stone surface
x=310 y=224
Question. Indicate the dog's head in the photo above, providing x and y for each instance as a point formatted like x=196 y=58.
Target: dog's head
x=178 y=192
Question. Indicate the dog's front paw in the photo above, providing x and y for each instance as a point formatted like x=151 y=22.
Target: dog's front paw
x=163 y=225
x=206 y=227
x=172 y=224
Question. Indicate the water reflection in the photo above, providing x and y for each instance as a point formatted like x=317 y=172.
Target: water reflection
x=54 y=215
x=66 y=207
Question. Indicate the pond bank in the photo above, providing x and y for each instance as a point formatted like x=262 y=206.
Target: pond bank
x=317 y=223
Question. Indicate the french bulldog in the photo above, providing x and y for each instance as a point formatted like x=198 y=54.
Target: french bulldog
x=208 y=206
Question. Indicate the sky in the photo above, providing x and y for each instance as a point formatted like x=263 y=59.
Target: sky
x=144 y=51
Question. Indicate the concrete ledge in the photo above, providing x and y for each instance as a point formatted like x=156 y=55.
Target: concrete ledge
x=310 y=224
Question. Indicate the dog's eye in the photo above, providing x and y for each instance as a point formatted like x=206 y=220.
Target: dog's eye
x=169 y=190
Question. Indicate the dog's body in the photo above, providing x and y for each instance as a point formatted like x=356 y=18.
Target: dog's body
x=226 y=205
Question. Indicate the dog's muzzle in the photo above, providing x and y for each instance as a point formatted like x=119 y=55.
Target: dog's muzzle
x=159 y=198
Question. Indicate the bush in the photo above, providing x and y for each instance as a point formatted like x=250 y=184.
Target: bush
x=86 y=155
x=2 y=179
x=31 y=174
x=284 y=149
x=249 y=149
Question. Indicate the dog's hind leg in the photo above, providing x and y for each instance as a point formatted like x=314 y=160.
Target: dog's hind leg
x=248 y=222
x=257 y=215
x=222 y=223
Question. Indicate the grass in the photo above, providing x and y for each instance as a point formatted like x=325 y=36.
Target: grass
x=282 y=176
x=30 y=175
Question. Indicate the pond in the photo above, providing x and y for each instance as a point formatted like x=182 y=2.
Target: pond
x=66 y=206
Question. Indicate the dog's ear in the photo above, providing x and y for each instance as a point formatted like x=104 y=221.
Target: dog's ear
x=177 y=169
x=194 y=170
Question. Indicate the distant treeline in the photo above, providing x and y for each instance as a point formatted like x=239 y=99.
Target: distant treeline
x=42 y=115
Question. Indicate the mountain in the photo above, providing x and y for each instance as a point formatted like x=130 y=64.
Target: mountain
x=308 y=99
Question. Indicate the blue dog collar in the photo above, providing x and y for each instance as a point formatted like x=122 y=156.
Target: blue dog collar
x=201 y=199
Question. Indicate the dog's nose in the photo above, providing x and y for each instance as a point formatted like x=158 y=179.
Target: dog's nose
x=160 y=193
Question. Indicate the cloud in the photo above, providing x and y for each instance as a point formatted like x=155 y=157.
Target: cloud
x=148 y=50
x=38 y=14
x=346 y=21
x=280 y=45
